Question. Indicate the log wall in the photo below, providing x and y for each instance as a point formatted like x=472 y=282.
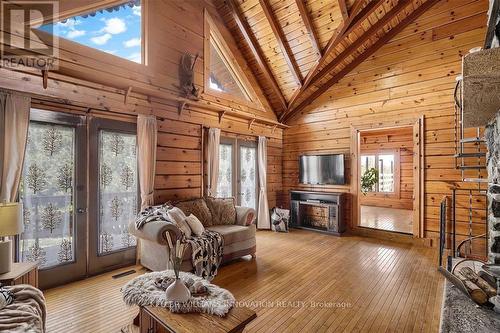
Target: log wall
x=94 y=83
x=412 y=75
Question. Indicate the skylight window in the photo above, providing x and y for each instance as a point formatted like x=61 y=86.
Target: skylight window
x=115 y=30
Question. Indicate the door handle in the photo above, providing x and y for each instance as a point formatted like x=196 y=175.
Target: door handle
x=81 y=210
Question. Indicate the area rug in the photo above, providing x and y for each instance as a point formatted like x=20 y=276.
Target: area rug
x=461 y=315
x=145 y=290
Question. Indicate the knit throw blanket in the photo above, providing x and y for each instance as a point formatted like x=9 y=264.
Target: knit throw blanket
x=207 y=249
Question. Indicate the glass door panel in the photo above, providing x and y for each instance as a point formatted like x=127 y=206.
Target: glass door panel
x=225 y=180
x=248 y=176
x=117 y=190
x=54 y=231
x=114 y=178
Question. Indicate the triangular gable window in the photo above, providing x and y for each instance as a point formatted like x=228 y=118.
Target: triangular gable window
x=222 y=78
x=223 y=75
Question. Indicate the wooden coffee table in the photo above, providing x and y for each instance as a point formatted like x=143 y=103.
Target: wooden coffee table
x=160 y=320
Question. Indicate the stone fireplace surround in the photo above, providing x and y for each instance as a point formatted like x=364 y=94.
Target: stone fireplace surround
x=492 y=135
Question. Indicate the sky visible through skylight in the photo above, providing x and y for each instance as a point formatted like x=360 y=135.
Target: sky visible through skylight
x=117 y=32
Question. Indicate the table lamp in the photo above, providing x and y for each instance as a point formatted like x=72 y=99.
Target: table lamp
x=11 y=223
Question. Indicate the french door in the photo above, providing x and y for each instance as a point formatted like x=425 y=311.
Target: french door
x=53 y=191
x=114 y=187
x=79 y=188
x=238 y=171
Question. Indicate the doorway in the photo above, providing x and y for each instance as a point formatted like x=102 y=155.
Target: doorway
x=387 y=178
x=79 y=188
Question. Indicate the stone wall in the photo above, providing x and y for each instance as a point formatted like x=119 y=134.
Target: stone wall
x=493 y=165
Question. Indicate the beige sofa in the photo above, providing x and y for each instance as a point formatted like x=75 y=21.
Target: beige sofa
x=239 y=239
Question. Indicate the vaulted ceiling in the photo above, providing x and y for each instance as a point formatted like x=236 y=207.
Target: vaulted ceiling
x=298 y=49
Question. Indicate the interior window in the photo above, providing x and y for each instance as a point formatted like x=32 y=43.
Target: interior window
x=115 y=30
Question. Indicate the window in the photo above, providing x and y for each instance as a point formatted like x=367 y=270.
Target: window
x=115 y=30
x=385 y=163
x=223 y=77
x=238 y=172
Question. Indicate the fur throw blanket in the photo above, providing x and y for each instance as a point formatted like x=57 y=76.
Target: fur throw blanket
x=27 y=313
x=207 y=252
x=149 y=289
x=207 y=249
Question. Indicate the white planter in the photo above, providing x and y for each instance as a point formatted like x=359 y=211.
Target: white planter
x=178 y=292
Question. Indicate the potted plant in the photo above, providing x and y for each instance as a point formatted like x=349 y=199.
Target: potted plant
x=368 y=180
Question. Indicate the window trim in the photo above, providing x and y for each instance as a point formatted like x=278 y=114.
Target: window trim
x=397 y=172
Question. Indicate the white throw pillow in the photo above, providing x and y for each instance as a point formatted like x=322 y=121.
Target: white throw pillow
x=195 y=224
x=178 y=216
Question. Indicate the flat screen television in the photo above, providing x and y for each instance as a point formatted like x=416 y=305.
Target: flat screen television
x=322 y=169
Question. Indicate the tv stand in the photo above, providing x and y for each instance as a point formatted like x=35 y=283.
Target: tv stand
x=330 y=204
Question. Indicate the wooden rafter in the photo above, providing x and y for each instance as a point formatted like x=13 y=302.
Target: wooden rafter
x=353 y=22
x=256 y=51
x=343 y=9
x=280 y=37
x=370 y=33
x=367 y=53
x=356 y=7
x=309 y=26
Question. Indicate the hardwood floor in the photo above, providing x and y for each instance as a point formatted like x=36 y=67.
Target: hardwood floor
x=389 y=219
x=301 y=281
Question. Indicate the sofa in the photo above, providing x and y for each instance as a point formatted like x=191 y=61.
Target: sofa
x=239 y=235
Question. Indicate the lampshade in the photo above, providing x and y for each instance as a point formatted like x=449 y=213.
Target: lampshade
x=11 y=219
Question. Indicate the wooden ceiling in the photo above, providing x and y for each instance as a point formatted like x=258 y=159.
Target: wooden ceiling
x=298 y=49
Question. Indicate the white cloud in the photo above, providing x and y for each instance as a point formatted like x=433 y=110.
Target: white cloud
x=137 y=10
x=114 y=26
x=75 y=33
x=136 y=57
x=132 y=42
x=110 y=51
x=101 y=40
x=70 y=23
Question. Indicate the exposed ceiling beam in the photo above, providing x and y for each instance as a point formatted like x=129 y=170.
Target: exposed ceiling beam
x=353 y=22
x=309 y=26
x=367 y=53
x=280 y=37
x=370 y=33
x=256 y=51
x=343 y=9
x=356 y=6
